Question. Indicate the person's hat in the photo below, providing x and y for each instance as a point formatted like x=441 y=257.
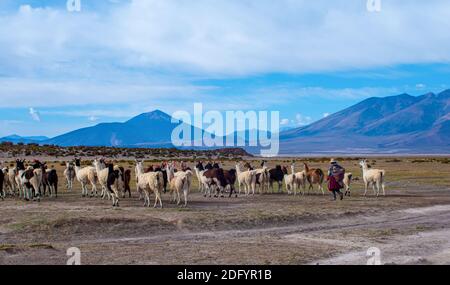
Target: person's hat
x=333 y=161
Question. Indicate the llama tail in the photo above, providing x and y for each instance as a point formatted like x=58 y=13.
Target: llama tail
x=320 y=174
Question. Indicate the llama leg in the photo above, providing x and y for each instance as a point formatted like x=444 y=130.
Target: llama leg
x=157 y=198
x=116 y=194
x=378 y=185
x=185 y=192
x=382 y=186
x=147 y=198
x=366 y=185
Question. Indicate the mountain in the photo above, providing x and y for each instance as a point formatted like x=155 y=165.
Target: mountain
x=395 y=124
x=151 y=129
x=26 y=140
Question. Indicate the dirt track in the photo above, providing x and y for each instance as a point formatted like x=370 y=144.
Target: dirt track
x=411 y=225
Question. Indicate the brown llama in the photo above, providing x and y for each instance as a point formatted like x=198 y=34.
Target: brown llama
x=314 y=176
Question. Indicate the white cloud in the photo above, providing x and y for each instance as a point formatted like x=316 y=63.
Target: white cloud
x=231 y=37
x=284 y=122
x=93 y=118
x=35 y=115
x=52 y=93
x=420 y=86
x=114 y=54
x=301 y=120
x=326 y=115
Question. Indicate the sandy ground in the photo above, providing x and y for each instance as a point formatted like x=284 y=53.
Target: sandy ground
x=409 y=226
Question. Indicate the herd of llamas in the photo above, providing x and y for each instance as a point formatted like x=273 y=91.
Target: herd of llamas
x=31 y=182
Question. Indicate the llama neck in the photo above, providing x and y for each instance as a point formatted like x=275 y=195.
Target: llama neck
x=293 y=169
x=170 y=174
x=364 y=168
x=97 y=166
x=77 y=169
x=139 y=170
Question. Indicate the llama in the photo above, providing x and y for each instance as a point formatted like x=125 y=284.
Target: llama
x=153 y=181
x=262 y=178
x=29 y=180
x=299 y=179
x=223 y=179
x=36 y=180
x=102 y=177
x=69 y=174
x=289 y=180
x=214 y=179
x=276 y=175
x=162 y=169
x=314 y=176
x=8 y=184
x=139 y=168
x=245 y=178
x=199 y=170
x=85 y=176
x=179 y=182
x=347 y=181
x=12 y=173
x=50 y=180
x=18 y=178
x=230 y=179
x=112 y=183
x=126 y=179
x=374 y=177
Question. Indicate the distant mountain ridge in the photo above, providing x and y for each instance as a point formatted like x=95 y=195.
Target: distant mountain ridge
x=402 y=123
x=19 y=139
x=147 y=129
x=394 y=124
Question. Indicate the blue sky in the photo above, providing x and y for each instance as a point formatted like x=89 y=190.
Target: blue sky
x=115 y=59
